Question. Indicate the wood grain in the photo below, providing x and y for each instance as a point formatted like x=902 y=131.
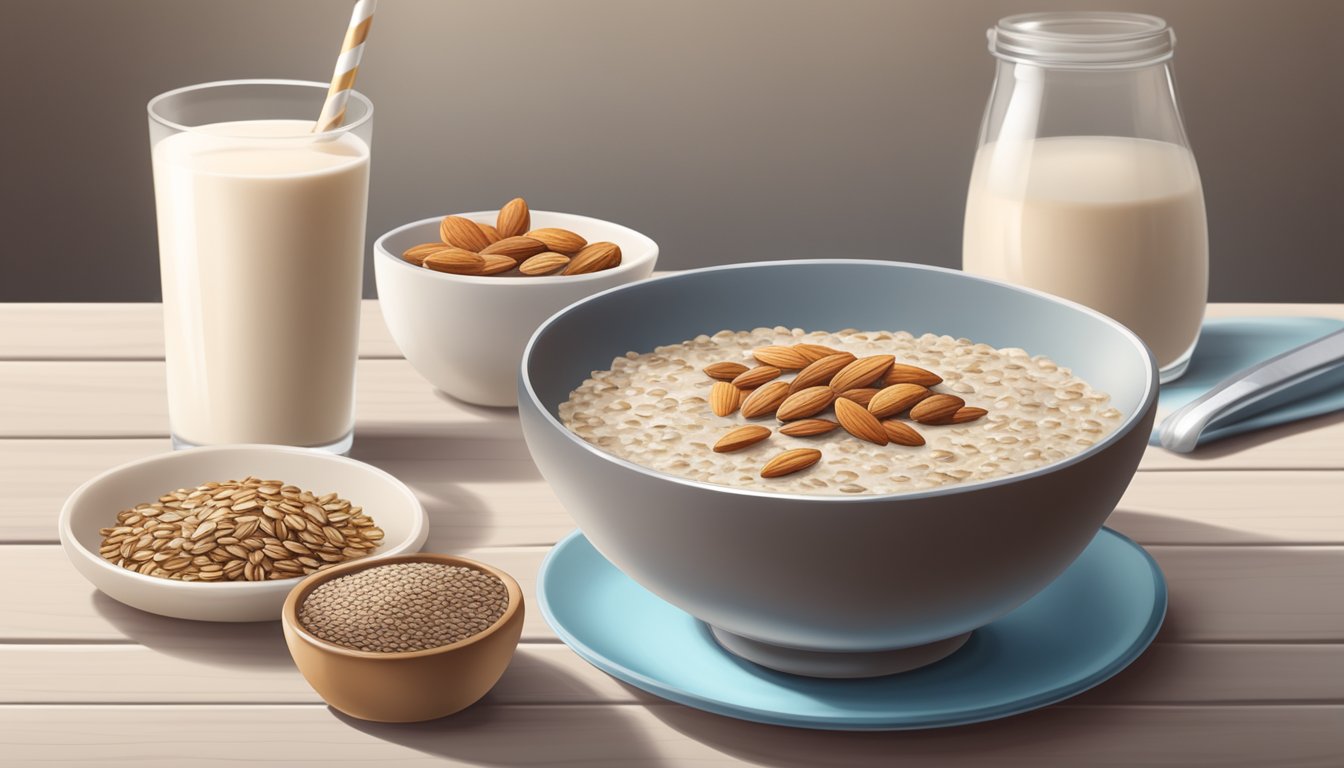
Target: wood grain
x=483 y=490
x=259 y=671
x=1218 y=594
x=125 y=332
x=666 y=734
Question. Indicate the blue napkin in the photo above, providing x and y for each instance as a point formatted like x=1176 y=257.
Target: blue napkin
x=1229 y=345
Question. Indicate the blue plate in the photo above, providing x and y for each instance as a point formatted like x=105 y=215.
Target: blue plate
x=1089 y=624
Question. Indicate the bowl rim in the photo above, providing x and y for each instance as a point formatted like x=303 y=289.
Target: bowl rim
x=648 y=252
x=289 y=614
x=1146 y=402
x=71 y=543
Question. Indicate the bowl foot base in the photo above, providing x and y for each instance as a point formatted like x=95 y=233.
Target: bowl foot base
x=837 y=664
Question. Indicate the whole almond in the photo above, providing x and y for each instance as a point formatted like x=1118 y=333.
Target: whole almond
x=724 y=398
x=455 y=260
x=764 y=400
x=901 y=433
x=863 y=395
x=895 y=399
x=516 y=247
x=784 y=358
x=496 y=263
x=725 y=371
x=808 y=427
x=861 y=372
x=462 y=233
x=559 y=240
x=966 y=414
x=416 y=253
x=804 y=403
x=741 y=437
x=815 y=352
x=595 y=257
x=901 y=373
x=514 y=218
x=936 y=409
x=789 y=462
x=755 y=377
x=858 y=422
x=820 y=371
x=543 y=263
x=490 y=232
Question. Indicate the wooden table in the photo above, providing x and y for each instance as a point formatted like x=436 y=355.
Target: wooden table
x=1248 y=669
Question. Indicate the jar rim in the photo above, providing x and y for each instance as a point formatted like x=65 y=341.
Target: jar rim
x=1083 y=39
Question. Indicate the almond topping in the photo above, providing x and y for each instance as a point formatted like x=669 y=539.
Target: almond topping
x=863 y=396
x=789 y=462
x=725 y=371
x=416 y=253
x=858 y=422
x=901 y=433
x=804 y=403
x=966 y=414
x=756 y=377
x=808 y=427
x=724 y=398
x=741 y=437
x=784 y=358
x=820 y=371
x=936 y=409
x=516 y=247
x=901 y=373
x=764 y=400
x=861 y=372
x=815 y=352
x=895 y=399
x=496 y=263
x=595 y=258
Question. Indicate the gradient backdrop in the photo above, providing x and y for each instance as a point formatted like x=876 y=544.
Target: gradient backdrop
x=727 y=130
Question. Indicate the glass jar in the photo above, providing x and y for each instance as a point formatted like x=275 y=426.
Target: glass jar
x=1084 y=185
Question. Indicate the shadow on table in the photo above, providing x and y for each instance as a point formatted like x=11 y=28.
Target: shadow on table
x=489 y=733
x=251 y=645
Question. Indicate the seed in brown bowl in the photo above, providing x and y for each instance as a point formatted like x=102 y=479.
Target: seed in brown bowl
x=402 y=607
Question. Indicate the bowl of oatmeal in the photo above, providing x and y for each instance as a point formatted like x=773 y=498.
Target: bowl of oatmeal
x=842 y=467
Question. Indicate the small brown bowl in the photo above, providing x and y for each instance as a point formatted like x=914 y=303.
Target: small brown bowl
x=409 y=686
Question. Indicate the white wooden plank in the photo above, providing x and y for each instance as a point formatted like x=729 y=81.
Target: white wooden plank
x=126 y=331
x=1233 y=737
x=128 y=399
x=483 y=490
x=260 y=672
x=1248 y=594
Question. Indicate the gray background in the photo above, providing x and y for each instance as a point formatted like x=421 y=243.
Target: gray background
x=727 y=130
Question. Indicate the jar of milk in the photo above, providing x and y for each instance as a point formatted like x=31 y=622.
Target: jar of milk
x=1084 y=185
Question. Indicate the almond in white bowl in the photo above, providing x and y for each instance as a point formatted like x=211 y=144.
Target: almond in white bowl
x=465 y=333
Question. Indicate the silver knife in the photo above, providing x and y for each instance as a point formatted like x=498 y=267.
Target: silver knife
x=1253 y=389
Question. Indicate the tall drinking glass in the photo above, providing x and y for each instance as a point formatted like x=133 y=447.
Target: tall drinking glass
x=261 y=252
x=1084 y=185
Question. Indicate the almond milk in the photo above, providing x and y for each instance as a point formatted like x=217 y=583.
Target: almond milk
x=1113 y=223
x=261 y=241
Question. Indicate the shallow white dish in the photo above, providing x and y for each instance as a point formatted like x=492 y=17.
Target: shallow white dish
x=95 y=504
x=465 y=333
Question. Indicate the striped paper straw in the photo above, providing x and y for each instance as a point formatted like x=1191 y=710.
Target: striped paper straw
x=347 y=65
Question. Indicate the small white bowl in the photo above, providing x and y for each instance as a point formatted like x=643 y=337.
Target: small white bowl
x=95 y=505
x=466 y=334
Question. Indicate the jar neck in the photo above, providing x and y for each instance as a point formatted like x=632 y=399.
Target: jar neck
x=1082 y=40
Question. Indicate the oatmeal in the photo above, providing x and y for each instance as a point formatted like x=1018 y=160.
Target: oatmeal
x=984 y=412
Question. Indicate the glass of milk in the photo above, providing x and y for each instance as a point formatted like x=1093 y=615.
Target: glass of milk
x=261 y=253
x=1084 y=184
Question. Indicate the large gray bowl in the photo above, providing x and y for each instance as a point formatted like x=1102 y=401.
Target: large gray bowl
x=836 y=586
